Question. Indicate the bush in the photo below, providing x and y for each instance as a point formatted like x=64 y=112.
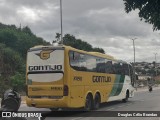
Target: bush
x=18 y=81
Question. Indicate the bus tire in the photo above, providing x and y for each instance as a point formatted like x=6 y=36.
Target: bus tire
x=88 y=103
x=97 y=101
x=126 y=98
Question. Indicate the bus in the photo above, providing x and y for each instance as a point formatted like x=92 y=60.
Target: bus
x=64 y=77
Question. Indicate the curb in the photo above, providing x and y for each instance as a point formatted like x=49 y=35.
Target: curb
x=146 y=89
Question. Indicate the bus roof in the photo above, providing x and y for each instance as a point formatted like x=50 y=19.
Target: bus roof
x=71 y=48
x=101 y=54
x=91 y=53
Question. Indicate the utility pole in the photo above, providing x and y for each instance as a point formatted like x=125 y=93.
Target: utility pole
x=61 y=22
x=155 y=63
x=135 y=81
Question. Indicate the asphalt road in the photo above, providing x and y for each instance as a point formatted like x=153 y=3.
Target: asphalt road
x=142 y=101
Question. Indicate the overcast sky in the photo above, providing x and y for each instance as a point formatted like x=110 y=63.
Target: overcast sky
x=102 y=23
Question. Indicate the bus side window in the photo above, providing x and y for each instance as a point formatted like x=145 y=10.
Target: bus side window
x=72 y=59
x=122 y=72
x=100 y=68
x=109 y=67
x=126 y=69
x=100 y=65
x=90 y=63
x=115 y=66
x=119 y=67
x=77 y=61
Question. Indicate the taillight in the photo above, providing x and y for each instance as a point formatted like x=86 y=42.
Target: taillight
x=65 y=90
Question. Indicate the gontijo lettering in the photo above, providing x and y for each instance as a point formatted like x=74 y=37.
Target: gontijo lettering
x=101 y=79
x=45 y=67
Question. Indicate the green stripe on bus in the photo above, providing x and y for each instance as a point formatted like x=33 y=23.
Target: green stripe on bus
x=118 y=85
x=115 y=86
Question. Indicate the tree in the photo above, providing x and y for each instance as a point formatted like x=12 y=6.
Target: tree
x=8 y=38
x=27 y=30
x=148 y=10
x=58 y=35
x=18 y=81
x=98 y=50
x=14 y=43
x=70 y=40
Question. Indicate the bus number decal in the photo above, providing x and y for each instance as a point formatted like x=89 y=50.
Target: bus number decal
x=77 y=78
x=56 y=88
x=100 y=79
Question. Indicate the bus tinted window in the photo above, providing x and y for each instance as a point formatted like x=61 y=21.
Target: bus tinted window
x=118 y=69
x=121 y=68
x=109 y=67
x=85 y=62
x=126 y=69
x=77 y=61
x=82 y=62
x=90 y=63
x=100 y=65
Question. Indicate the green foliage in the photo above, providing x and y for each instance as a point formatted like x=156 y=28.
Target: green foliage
x=14 y=43
x=148 y=10
x=70 y=40
x=18 y=81
x=19 y=39
x=98 y=50
x=8 y=38
x=3 y=85
x=13 y=58
x=27 y=30
x=10 y=63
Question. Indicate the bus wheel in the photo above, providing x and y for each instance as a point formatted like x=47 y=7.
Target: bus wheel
x=97 y=101
x=88 y=103
x=126 y=98
x=54 y=109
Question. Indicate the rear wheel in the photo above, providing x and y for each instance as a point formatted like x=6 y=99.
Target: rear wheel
x=126 y=98
x=97 y=101
x=88 y=103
